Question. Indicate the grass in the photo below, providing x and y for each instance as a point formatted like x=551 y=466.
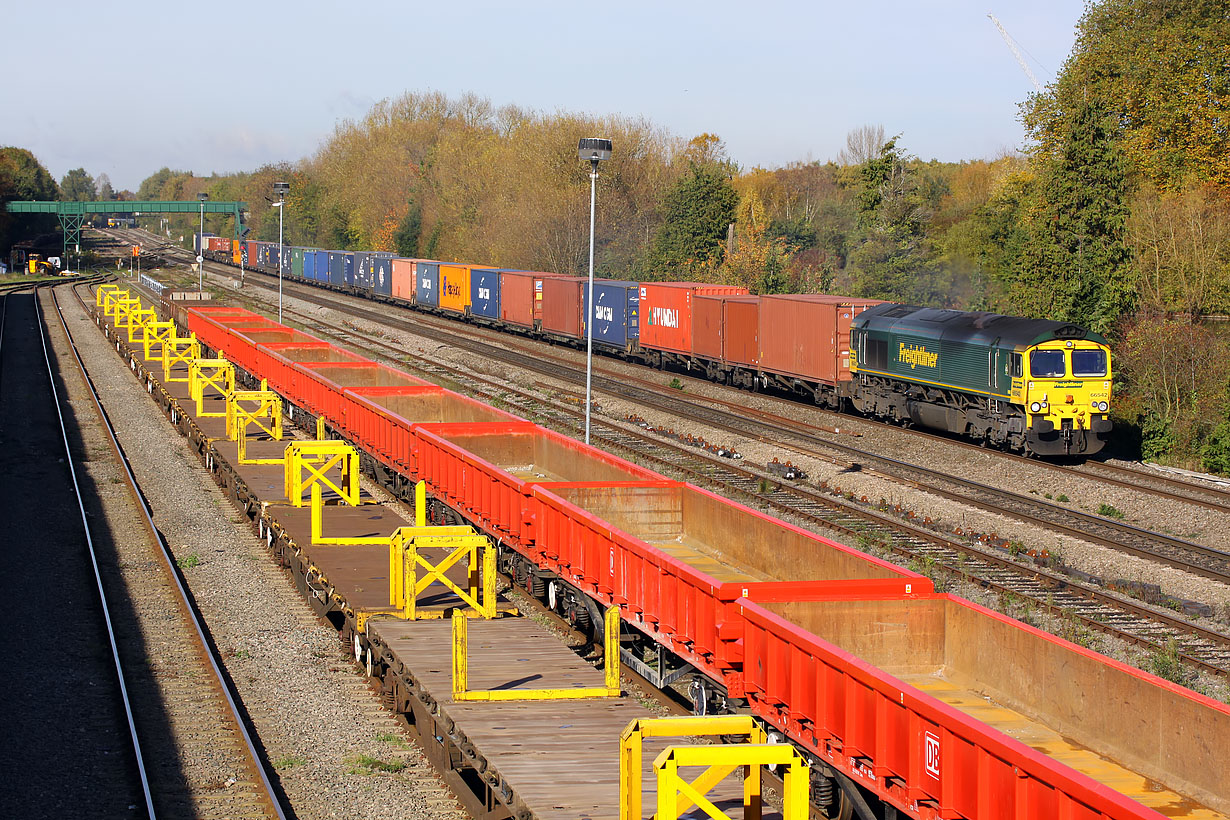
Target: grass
x=1061 y=498
x=390 y=737
x=290 y=761
x=188 y=561
x=366 y=764
x=1109 y=511
x=675 y=384
x=1166 y=663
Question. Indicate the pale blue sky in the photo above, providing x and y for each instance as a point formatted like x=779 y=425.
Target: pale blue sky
x=126 y=88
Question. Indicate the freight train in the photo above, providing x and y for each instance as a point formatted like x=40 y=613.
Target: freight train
x=1033 y=386
x=935 y=706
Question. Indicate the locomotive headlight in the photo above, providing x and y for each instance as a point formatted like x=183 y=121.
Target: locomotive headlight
x=1035 y=407
x=1101 y=405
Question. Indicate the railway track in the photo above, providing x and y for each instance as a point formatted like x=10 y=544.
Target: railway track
x=1084 y=606
x=198 y=714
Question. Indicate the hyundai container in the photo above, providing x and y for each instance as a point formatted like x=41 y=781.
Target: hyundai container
x=666 y=313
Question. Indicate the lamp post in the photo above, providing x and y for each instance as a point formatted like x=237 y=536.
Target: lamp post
x=594 y=150
x=280 y=188
x=200 y=246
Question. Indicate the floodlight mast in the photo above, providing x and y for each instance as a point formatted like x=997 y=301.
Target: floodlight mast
x=280 y=188
x=200 y=246
x=595 y=150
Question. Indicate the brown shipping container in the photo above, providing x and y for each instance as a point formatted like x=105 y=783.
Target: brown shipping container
x=741 y=330
x=403 y=279
x=707 y=327
x=561 y=305
x=808 y=335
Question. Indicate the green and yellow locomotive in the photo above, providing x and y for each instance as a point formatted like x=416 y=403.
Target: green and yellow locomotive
x=1030 y=385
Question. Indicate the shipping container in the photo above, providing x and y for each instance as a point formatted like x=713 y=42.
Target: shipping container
x=807 y=336
x=562 y=306
x=362 y=272
x=286 y=261
x=322 y=266
x=427 y=279
x=978 y=715
x=309 y=264
x=521 y=297
x=455 y=287
x=616 y=314
x=382 y=273
x=403 y=279
x=485 y=293
x=236 y=252
x=249 y=253
x=726 y=329
x=341 y=268
x=666 y=313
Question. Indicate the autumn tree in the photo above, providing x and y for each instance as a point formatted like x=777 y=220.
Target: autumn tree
x=23 y=177
x=1159 y=69
x=756 y=259
x=696 y=213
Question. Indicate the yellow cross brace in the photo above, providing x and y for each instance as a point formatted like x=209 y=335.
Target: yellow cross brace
x=307 y=465
x=676 y=794
x=216 y=373
x=461 y=668
x=103 y=290
x=111 y=298
x=630 y=756
x=157 y=333
x=123 y=311
x=137 y=320
x=265 y=416
x=179 y=350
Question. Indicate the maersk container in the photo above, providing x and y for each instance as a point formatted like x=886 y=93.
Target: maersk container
x=382 y=273
x=666 y=312
x=562 y=306
x=403 y=279
x=427 y=283
x=807 y=336
x=615 y=314
x=485 y=293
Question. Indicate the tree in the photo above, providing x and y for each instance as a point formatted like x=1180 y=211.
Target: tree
x=23 y=177
x=1159 y=67
x=406 y=238
x=1075 y=266
x=863 y=145
x=105 y=191
x=696 y=215
x=77 y=186
x=757 y=260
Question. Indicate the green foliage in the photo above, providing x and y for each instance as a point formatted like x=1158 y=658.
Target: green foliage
x=406 y=238
x=1215 y=456
x=77 y=186
x=696 y=214
x=1159 y=68
x=22 y=176
x=1109 y=511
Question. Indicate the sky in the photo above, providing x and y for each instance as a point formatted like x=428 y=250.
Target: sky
x=127 y=88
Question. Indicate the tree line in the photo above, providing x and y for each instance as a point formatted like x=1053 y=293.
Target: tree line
x=1117 y=216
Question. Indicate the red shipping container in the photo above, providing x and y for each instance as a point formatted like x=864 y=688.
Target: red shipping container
x=561 y=305
x=403 y=279
x=808 y=335
x=521 y=296
x=666 y=312
x=726 y=329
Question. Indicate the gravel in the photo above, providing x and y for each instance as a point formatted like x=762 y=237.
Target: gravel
x=320 y=723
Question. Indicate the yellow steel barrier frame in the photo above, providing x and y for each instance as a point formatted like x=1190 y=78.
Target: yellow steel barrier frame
x=631 y=756
x=461 y=669
x=124 y=307
x=463 y=542
x=137 y=320
x=102 y=290
x=240 y=418
x=675 y=791
x=216 y=373
x=315 y=459
x=156 y=333
x=111 y=298
x=179 y=350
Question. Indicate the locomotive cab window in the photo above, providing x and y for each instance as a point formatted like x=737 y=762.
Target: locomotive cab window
x=1088 y=362
x=1044 y=364
x=1016 y=366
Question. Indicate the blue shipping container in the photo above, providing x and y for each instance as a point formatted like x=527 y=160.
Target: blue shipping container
x=383 y=273
x=337 y=267
x=616 y=312
x=309 y=264
x=427 y=283
x=288 y=259
x=322 y=266
x=362 y=277
x=485 y=293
